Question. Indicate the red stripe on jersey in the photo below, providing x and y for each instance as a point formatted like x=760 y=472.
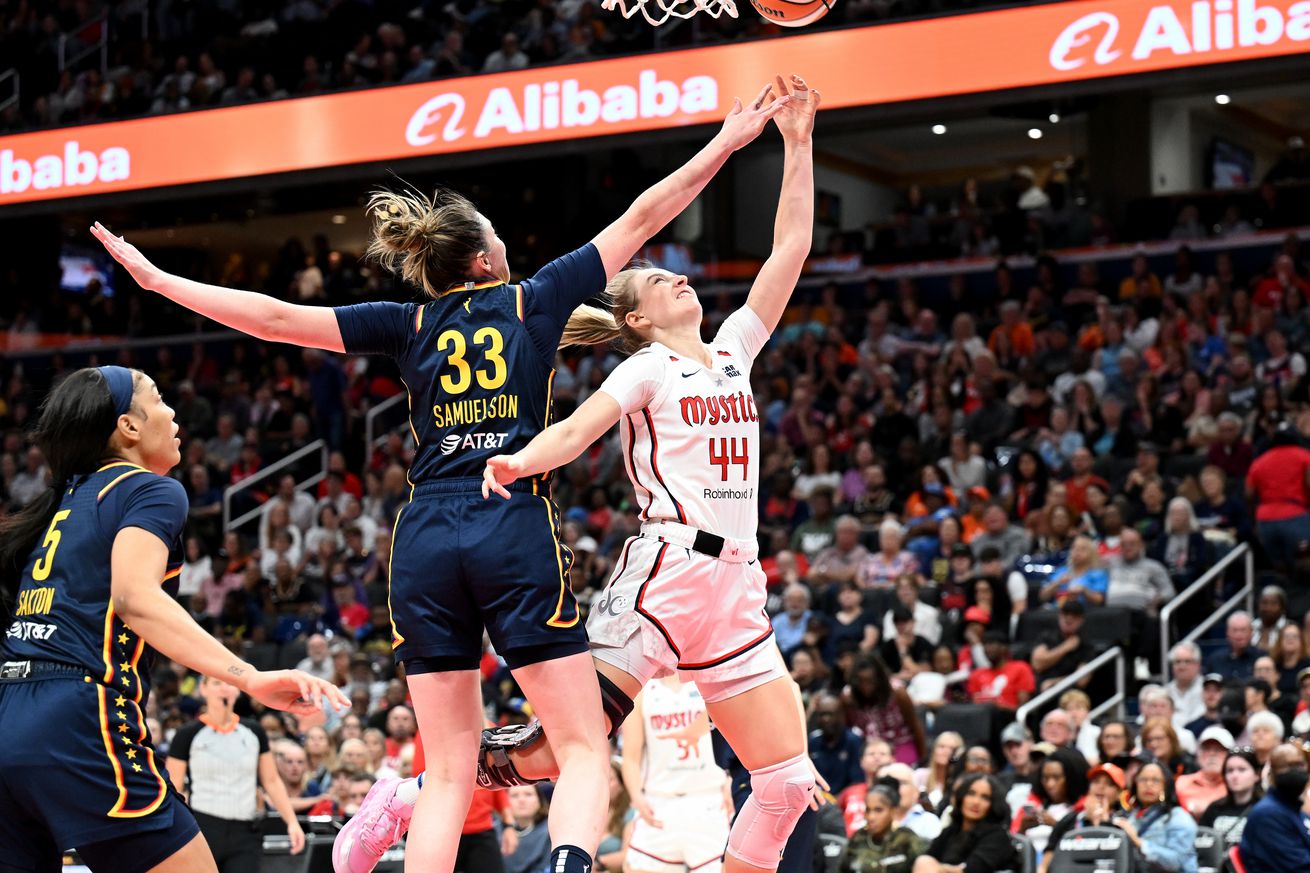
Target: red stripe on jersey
x=654 y=447
x=661 y=860
x=725 y=354
x=728 y=657
x=641 y=592
x=632 y=469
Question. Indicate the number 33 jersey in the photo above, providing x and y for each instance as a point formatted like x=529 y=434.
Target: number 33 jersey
x=64 y=611
x=691 y=434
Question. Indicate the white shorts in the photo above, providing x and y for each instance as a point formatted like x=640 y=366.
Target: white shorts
x=694 y=836
x=669 y=608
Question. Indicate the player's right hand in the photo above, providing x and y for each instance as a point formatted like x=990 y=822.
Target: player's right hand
x=643 y=807
x=501 y=470
x=743 y=124
x=146 y=274
x=295 y=691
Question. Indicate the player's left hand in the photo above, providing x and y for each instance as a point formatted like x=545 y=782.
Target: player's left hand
x=796 y=119
x=297 y=836
x=146 y=274
x=509 y=840
x=501 y=470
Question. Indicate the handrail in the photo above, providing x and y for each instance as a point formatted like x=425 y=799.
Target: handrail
x=101 y=45
x=1206 y=578
x=11 y=73
x=1246 y=591
x=1114 y=653
x=370 y=438
x=319 y=446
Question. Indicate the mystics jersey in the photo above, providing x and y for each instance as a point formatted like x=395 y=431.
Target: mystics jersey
x=64 y=611
x=679 y=754
x=477 y=362
x=691 y=435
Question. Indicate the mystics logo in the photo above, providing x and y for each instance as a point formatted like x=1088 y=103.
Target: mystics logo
x=1205 y=27
x=552 y=105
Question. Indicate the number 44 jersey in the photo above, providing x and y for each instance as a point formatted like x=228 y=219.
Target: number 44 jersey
x=691 y=433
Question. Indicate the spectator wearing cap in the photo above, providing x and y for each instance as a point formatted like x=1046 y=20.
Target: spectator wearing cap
x=1063 y=651
x=1237 y=661
x=1276 y=485
x=1277 y=834
x=973 y=655
x=789 y=626
x=1264 y=682
x=881 y=569
x=1019 y=773
x=1186 y=687
x=1242 y=790
x=1270 y=618
x=1010 y=540
x=1196 y=791
x=1103 y=804
x=1007 y=683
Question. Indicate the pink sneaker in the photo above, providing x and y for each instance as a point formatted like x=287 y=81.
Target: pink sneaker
x=380 y=823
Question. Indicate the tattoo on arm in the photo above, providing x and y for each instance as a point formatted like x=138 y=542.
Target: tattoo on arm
x=235 y=671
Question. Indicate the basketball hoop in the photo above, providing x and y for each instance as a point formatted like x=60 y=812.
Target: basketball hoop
x=670 y=8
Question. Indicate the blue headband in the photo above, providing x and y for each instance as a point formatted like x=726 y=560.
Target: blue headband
x=120 y=382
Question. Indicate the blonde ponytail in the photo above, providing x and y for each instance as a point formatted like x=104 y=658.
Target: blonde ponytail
x=428 y=242
x=592 y=325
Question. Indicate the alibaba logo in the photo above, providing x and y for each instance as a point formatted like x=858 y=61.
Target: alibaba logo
x=430 y=114
x=1079 y=34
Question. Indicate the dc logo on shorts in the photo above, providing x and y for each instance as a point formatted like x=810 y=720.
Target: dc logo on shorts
x=613 y=606
x=450 y=443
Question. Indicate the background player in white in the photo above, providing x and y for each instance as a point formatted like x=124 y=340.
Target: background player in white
x=688 y=594
x=682 y=797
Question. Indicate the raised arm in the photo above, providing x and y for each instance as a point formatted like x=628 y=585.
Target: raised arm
x=555 y=446
x=258 y=315
x=665 y=200
x=793 y=228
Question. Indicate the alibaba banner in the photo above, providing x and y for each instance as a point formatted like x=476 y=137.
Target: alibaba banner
x=1012 y=48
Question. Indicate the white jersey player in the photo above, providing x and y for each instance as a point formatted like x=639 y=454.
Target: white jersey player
x=681 y=795
x=688 y=594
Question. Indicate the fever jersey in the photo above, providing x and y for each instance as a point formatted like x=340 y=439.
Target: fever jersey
x=691 y=434
x=64 y=610
x=678 y=756
x=477 y=362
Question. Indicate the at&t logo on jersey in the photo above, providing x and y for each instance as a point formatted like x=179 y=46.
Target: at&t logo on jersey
x=453 y=442
x=30 y=630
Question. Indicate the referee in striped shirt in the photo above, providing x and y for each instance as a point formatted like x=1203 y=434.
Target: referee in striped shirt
x=222 y=760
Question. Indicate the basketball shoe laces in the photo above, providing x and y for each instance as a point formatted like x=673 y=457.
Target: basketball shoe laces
x=385 y=830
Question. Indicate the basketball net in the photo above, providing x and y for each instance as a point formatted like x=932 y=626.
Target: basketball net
x=670 y=8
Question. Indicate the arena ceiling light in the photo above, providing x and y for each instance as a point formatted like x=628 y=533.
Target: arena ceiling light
x=338 y=218
x=1222 y=99
x=939 y=129
x=1034 y=133
x=1054 y=118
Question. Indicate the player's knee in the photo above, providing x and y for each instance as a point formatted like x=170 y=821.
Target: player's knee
x=779 y=795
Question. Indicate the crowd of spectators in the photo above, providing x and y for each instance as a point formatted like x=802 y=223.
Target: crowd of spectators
x=167 y=56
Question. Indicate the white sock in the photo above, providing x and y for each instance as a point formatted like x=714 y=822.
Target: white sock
x=407 y=790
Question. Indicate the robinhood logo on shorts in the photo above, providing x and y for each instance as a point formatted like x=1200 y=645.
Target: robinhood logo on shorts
x=1204 y=28
x=553 y=104
x=454 y=442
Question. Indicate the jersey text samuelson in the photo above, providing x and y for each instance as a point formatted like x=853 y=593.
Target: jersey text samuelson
x=737 y=407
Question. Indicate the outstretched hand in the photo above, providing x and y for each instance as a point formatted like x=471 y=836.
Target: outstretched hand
x=146 y=274
x=744 y=124
x=796 y=117
x=295 y=691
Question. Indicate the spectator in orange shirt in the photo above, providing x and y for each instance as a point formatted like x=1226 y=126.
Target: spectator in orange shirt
x=1014 y=329
x=1076 y=485
x=1141 y=282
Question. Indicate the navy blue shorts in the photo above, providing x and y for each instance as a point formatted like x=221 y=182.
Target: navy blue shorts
x=460 y=563
x=77 y=771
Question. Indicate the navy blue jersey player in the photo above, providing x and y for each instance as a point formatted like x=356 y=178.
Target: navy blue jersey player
x=86 y=569
x=477 y=358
